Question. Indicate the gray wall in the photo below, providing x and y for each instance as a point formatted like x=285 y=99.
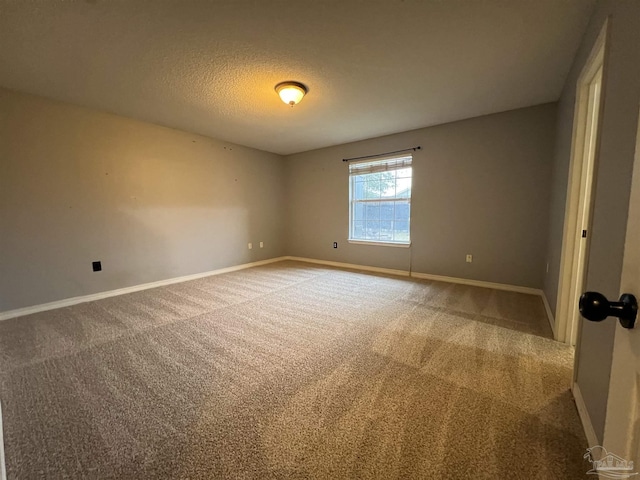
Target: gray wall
x=480 y=186
x=151 y=203
x=613 y=176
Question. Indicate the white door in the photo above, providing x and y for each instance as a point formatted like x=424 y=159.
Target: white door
x=622 y=425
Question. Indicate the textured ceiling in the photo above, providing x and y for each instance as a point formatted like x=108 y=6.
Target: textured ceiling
x=372 y=67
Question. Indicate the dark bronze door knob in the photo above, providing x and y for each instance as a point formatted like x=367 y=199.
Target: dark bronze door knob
x=595 y=307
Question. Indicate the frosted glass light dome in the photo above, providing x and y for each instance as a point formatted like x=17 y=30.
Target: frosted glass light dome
x=291 y=92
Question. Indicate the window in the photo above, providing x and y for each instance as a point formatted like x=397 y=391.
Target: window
x=380 y=200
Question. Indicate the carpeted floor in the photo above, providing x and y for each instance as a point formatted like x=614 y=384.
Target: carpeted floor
x=291 y=371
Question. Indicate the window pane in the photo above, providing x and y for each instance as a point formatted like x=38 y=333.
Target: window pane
x=386 y=230
x=358 y=212
x=401 y=226
x=401 y=232
x=358 y=178
x=357 y=189
x=372 y=229
x=372 y=188
x=358 y=230
x=372 y=210
x=371 y=224
x=388 y=184
x=403 y=187
x=402 y=211
x=387 y=210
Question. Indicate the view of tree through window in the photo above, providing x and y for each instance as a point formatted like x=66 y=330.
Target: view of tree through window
x=380 y=194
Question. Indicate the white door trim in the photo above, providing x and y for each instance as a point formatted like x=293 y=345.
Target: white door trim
x=3 y=469
x=573 y=210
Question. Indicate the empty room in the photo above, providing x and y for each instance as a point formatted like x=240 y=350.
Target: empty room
x=319 y=240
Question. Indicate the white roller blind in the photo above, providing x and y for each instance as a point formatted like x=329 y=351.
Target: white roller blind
x=379 y=165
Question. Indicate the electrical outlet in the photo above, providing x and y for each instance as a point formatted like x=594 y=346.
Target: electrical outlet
x=335 y=244
x=261 y=244
x=250 y=245
x=469 y=258
x=97 y=266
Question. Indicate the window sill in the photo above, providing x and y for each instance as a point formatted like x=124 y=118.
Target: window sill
x=381 y=244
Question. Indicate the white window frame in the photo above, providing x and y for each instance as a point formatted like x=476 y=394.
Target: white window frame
x=391 y=163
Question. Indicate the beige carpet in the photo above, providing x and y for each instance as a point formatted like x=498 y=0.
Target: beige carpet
x=291 y=371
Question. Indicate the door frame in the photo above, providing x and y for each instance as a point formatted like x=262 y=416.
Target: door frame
x=569 y=281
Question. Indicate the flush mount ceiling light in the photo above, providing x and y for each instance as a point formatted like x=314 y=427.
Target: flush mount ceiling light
x=291 y=92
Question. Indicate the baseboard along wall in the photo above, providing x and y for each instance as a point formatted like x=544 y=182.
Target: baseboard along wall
x=353 y=266
x=367 y=268
x=589 y=431
x=122 y=291
x=440 y=278
x=547 y=307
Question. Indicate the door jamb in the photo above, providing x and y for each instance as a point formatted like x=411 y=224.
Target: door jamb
x=595 y=60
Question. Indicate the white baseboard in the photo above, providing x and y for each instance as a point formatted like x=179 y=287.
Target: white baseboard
x=389 y=271
x=425 y=276
x=121 y=291
x=547 y=307
x=368 y=268
x=478 y=283
x=589 y=432
x=3 y=469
